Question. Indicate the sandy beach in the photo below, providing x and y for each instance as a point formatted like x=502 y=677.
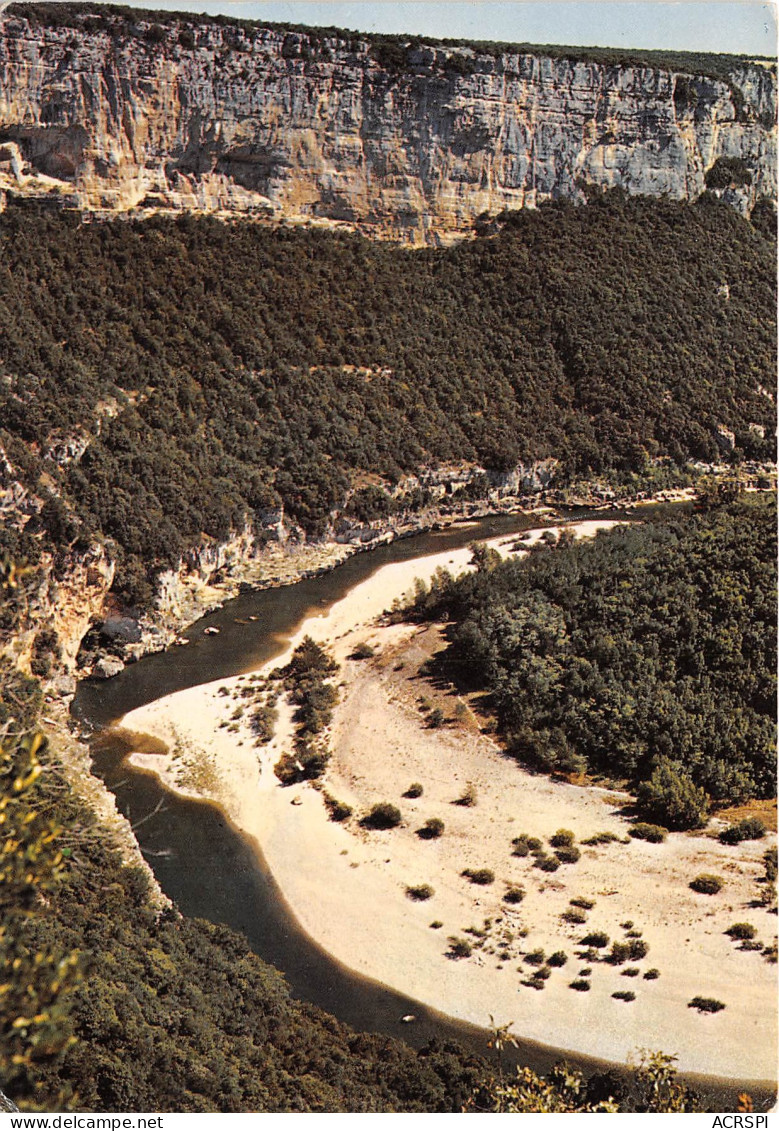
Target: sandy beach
x=348 y=885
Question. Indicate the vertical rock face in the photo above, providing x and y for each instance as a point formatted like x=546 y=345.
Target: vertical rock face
x=112 y=116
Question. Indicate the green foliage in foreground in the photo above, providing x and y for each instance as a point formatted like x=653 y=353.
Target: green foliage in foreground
x=217 y=371
x=647 y=653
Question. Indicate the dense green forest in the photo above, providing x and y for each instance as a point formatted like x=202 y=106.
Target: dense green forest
x=646 y=654
x=172 y=378
x=394 y=52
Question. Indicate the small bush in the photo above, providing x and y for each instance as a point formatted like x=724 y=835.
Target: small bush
x=624 y=995
x=436 y=925
x=568 y=854
x=535 y=957
x=707 y=884
x=580 y=984
x=436 y=718
x=383 y=815
x=626 y=925
x=563 y=838
x=585 y=904
x=482 y=876
x=596 y=939
x=459 y=948
x=420 y=892
x=535 y=982
x=558 y=958
x=155 y=34
x=574 y=915
x=770 y=865
x=363 y=651
x=741 y=931
x=638 y=949
x=634 y=934
x=619 y=953
x=468 y=798
x=547 y=863
x=601 y=838
x=655 y=834
x=751 y=944
x=706 y=1004
x=514 y=895
x=432 y=829
x=414 y=790
x=630 y=972
x=750 y=828
x=652 y=975
x=337 y=810
x=523 y=845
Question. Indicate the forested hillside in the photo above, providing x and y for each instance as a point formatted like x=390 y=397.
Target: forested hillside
x=169 y=379
x=647 y=654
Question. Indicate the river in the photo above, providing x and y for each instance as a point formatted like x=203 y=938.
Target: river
x=211 y=870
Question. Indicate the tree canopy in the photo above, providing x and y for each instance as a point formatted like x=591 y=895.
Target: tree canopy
x=166 y=380
x=646 y=654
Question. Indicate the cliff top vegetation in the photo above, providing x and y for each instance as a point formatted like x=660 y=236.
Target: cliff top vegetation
x=393 y=52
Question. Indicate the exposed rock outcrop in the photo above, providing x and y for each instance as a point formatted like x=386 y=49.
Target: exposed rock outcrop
x=252 y=120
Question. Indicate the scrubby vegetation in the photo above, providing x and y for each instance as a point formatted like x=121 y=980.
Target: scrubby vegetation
x=338 y=811
x=706 y=1004
x=305 y=679
x=647 y=653
x=642 y=830
x=308 y=347
x=420 y=892
x=707 y=884
x=523 y=845
x=382 y=815
x=395 y=53
x=431 y=829
x=596 y=939
x=741 y=931
x=481 y=876
x=749 y=828
x=459 y=948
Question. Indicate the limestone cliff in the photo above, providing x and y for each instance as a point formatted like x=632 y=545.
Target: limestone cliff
x=112 y=115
